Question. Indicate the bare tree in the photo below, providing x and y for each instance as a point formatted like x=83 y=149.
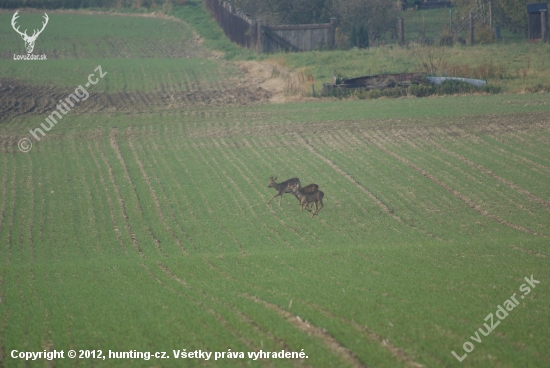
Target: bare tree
x=286 y=11
x=431 y=59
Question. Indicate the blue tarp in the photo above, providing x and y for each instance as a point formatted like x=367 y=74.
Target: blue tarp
x=475 y=82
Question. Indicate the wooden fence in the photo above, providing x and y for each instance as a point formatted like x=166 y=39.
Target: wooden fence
x=242 y=29
x=237 y=26
x=537 y=21
x=302 y=37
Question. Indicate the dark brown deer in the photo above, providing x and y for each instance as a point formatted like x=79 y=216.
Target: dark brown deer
x=308 y=189
x=281 y=188
x=307 y=198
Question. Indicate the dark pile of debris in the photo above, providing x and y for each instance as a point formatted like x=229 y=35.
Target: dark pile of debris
x=381 y=81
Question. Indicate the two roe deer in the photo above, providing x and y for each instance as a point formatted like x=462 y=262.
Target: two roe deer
x=308 y=189
x=306 y=198
x=283 y=187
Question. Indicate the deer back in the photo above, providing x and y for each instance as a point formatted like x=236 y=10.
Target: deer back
x=309 y=189
x=285 y=186
x=310 y=197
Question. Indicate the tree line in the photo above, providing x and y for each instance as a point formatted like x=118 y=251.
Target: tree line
x=364 y=20
x=360 y=21
x=76 y=4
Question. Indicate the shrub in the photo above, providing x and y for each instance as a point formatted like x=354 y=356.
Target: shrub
x=448 y=87
x=359 y=37
x=362 y=37
x=484 y=35
x=421 y=90
x=353 y=37
x=446 y=40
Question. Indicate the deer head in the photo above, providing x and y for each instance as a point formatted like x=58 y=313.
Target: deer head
x=29 y=40
x=272 y=182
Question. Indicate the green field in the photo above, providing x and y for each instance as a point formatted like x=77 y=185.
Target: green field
x=139 y=222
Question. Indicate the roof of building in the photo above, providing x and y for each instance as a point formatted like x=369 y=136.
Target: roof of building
x=536 y=7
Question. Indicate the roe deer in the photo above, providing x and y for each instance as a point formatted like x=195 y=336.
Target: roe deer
x=283 y=187
x=308 y=189
x=307 y=198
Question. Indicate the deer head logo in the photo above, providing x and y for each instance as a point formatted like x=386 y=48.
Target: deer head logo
x=29 y=40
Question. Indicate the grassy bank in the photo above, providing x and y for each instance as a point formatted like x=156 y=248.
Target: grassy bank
x=515 y=67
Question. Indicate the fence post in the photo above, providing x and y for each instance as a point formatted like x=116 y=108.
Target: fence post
x=401 y=31
x=332 y=36
x=491 y=14
x=471 y=27
x=451 y=22
x=259 y=36
x=543 y=26
x=528 y=27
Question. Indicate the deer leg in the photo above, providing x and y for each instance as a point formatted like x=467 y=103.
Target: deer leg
x=273 y=197
x=280 y=199
x=304 y=204
x=322 y=205
x=316 y=210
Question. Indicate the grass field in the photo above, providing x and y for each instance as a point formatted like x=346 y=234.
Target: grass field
x=138 y=223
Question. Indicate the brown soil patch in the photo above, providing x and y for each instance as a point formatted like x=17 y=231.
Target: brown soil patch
x=530 y=252
x=284 y=84
x=22 y=98
x=257 y=84
x=310 y=329
x=371 y=335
